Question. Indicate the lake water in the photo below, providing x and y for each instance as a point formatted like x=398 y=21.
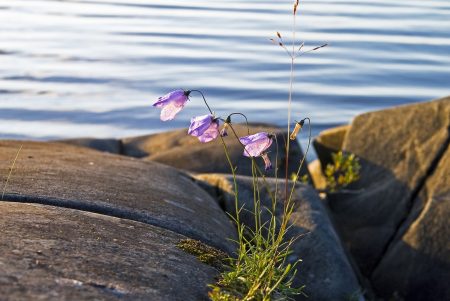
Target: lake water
x=94 y=67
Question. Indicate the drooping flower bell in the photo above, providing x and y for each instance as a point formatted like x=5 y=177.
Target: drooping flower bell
x=205 y=127
x=297 y=128
x=255 y=145
x=172 y=103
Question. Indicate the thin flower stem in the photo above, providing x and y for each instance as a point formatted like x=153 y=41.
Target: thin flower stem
x=204 y=99
x=287 y=51
x=255 y=200
x=274 y=203
x=291 y=85
x=303 y=159
x=237 y=137
x=11 y=170
x=308 y=51
x=236 y=195
x=246 y=120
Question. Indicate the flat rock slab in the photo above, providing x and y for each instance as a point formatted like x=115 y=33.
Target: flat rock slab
x=53 y=253
x=417 y=264
x=325 y=269
x=396 y=148
x=80 y=178
x=178 y=149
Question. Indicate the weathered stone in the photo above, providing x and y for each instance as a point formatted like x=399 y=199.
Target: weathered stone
x=68 y=176
x=317 y=176
x=325 y=269
x=328 y=142
x=180 y=150
x=396 y=147
x=52 y=253
x=113 y=146
x=416 y=265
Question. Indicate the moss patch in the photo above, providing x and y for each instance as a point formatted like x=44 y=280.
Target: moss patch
x=203 y=252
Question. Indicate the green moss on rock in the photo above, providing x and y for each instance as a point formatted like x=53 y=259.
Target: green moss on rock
x=203 y=252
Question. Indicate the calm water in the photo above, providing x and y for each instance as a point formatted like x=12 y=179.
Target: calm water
x=94 y=67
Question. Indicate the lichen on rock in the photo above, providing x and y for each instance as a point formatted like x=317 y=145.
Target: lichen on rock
x=203 y=252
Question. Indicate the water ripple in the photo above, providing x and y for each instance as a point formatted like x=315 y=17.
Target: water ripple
x=95 y=66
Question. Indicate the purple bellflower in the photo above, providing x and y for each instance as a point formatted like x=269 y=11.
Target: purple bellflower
x=172 y=103
x=205 y=127
x=256 y=146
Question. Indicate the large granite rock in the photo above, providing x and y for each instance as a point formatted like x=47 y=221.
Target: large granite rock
x=397 y=148
x=149 y=192
x=416 y=265
x=178 y=149
x=53 y=253
x=325 y=269
x=328 y=142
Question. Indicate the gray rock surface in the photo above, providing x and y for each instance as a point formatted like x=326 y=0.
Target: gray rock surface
x=186 y=152
x=113 y=146
x=396 y=148
x=178 y=149
x=329 y=141
x=68 y=176
x=325 y=269
x=417 y=264
x=53 y=253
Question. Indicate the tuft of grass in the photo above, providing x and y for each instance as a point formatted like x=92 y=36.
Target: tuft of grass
x=262 y=270
x=203 y=252
x=260 y=274
x=344 y=171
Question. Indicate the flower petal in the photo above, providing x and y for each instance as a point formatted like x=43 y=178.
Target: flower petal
x=169 y=111
x=211 y=133
x=256 y=144
x=252 y=138
x=178 y=96
x=200 y=124
x=161 y=102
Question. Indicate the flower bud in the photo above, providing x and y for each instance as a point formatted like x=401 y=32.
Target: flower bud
x=223 y=132
x=298 y=127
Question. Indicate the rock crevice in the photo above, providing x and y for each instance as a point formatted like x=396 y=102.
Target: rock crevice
x=411 y=214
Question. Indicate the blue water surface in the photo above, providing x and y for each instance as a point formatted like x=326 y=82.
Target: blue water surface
x=94 y=67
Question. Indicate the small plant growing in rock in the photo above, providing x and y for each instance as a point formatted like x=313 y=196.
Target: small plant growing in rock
x=260 y=269
x=204 y=253
x=303 y=179
x=343 y=171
